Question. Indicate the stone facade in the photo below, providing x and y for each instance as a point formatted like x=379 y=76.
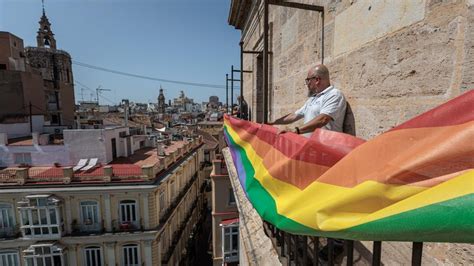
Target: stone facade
x=55 y=67
x=392 y=59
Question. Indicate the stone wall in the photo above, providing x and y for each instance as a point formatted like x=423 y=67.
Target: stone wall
x=392 y=59
x=55 y=67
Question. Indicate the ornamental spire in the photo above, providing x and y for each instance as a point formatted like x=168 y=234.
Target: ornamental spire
x=45 y=36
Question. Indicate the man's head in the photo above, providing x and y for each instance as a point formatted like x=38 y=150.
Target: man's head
x=317 y=79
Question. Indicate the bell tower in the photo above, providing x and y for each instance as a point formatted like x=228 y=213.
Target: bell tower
x=45 y=37
x=161 y=102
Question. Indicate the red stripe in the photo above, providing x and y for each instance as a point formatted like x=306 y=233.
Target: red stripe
x=454 y=112
x=323 y=148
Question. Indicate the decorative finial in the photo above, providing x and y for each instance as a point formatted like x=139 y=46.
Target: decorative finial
x=42 y=3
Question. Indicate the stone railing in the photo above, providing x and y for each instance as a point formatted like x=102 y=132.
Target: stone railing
x=257 y=247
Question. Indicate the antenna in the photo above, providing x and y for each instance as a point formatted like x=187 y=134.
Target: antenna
x=82 y=94
x=98 y=90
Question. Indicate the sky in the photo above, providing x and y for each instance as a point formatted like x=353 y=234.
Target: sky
x=185 y=40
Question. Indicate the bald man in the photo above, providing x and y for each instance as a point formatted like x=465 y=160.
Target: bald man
x=325 y=107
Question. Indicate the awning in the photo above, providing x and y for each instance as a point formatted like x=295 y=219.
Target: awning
x=229 y=222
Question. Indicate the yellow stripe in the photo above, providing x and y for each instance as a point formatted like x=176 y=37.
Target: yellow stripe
x=330 y=208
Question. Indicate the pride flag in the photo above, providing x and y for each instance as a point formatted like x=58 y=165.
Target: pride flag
x=412 y=183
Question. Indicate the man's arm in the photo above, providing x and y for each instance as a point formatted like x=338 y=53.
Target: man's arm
x=287 y=119
x=317 y=122
x=332 y=108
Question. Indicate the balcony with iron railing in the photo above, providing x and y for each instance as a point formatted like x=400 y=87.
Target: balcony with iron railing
x=179 y=242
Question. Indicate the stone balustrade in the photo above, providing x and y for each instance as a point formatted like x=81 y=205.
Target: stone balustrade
x=66 y=175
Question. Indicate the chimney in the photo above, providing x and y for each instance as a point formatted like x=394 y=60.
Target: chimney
x=125 y=103
x=160 y=148
x=35 y=137
x=3 y=139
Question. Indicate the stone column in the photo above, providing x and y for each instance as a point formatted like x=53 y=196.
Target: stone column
x=146 y=216
x=21 y=175
x=162 y=163
x=107 y=213
x=72 y=256
x=35 y=138
x=108 y=173
x=147 y=252
x=68 y=220
x=67 y=175
x=110 y=253
x=147 y=170
x=3 y=139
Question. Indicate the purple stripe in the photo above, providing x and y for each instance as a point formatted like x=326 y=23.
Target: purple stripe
x=238 y=164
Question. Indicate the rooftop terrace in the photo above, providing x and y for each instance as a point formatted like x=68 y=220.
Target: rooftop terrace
x=143 y=166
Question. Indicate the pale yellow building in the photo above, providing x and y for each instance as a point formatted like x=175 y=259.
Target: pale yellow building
x=111 y=216
x=225 y=217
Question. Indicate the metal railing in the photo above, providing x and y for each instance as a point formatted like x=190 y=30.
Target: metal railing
x=304 y=250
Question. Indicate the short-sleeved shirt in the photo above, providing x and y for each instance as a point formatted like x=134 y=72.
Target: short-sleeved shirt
x=331 y=102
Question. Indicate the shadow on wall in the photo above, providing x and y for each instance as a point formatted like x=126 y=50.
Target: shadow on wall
x=349 y=121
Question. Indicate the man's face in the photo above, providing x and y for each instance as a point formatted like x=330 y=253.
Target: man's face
x=312 y=82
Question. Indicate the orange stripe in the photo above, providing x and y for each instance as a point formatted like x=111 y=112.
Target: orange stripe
x=296 y=172
x=407 y=156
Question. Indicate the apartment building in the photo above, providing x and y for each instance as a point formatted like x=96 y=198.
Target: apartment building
x=225 y=217
x=136 y=210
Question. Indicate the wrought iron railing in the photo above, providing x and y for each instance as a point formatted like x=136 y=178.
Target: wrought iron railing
x=304 y=250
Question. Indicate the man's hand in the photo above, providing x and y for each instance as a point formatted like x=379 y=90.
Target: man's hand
x=283 y=131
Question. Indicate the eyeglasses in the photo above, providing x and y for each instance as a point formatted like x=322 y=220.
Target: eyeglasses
x=307 y=80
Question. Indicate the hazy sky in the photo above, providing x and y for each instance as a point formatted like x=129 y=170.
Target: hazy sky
x=187 y=40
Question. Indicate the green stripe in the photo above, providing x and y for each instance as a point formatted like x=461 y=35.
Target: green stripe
x=448 y=221
x=261 y=200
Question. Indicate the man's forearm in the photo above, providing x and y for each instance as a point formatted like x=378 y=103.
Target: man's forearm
x=284 y=120
x=317 y=122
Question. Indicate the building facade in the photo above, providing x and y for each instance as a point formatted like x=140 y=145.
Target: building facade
x=110 y=216
x=21 y=87
x=225 y=217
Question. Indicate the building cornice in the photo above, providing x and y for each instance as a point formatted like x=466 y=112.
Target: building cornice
x=238 y=13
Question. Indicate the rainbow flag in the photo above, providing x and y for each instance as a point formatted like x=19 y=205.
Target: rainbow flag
x=412 y=183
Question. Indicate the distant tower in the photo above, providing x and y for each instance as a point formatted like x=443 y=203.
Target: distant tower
x=161 y=102
x=55 y=67
x=45 y=37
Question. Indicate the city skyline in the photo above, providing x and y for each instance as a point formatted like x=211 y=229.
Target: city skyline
x=172 y=25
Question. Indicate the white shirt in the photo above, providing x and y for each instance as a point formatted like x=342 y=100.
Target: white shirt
x=331 y=102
